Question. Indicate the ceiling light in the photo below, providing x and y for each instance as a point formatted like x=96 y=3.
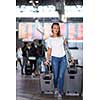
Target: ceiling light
x=30 y=1
x=37 y=1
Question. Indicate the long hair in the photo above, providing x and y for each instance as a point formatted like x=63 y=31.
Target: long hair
x=58 y=34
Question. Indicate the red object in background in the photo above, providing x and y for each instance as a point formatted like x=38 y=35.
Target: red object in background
x=22 y=31
x=71 y=30
x=80 y=32
x=29 y=31
x=75 y=31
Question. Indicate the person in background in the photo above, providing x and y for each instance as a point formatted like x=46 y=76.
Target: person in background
x=56 y=53
x=33 y=60
x=40 y=54
x=16 y=59
x=25 y=51
x=19 y=56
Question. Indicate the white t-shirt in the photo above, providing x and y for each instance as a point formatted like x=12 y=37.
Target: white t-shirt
x=57 y=46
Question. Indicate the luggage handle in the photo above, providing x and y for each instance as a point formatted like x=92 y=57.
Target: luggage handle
x=49 y=72
x=72 y=77
x=73 y=71
x=72 y=68
x=47 y=82
x=49 y=68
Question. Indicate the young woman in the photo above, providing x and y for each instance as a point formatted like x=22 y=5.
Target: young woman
x=58 y=57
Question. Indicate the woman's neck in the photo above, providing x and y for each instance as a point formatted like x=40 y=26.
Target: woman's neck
x=55 y=35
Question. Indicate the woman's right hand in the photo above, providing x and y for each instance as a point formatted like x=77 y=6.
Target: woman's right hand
x=46 y=62
x=71 y=60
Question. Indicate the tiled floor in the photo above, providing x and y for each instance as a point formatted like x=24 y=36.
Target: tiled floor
x=28 y=88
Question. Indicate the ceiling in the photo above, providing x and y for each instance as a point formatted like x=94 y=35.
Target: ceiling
x=50 y=2
x=75 y=19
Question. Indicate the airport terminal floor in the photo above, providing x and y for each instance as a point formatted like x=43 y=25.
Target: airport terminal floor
x=28 y=88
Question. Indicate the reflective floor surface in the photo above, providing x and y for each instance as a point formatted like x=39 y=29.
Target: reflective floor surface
x=28 y=88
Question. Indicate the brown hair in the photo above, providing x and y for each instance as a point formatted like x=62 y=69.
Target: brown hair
x=58 y=34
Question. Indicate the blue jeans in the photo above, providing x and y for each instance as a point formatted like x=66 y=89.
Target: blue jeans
x=24 y=64
x=59 y=66
x=38 y=63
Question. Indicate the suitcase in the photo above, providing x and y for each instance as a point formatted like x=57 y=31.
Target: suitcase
x=28 y=69
x=46 y=83
x=73 y=81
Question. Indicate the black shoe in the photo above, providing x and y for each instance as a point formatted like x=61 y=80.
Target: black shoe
x=22 y=73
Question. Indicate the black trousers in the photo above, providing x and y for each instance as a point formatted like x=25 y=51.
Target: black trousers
x=33 y=62
x=19 y=60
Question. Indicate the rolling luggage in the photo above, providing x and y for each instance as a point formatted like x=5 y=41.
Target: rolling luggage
x=28 y=69
x=46 y=82
x=73 y=81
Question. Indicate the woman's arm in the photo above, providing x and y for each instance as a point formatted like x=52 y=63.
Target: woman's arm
x=71 y=60
x=48 y=56
x=65 y=42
